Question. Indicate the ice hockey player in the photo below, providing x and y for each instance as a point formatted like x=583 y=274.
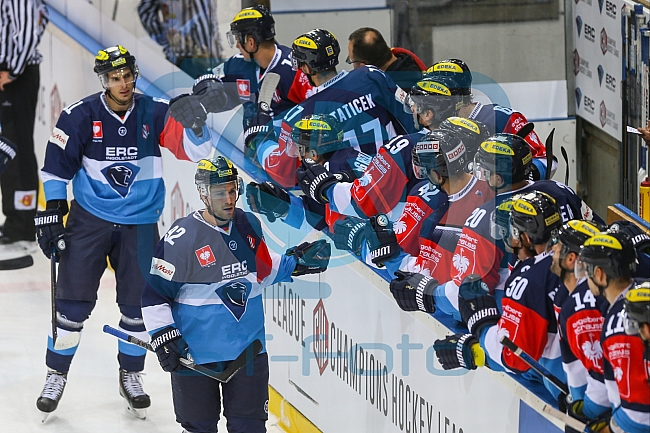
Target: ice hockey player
x=637 y=308
x=364 y=100
x=580 y=317
x=252 y=31
x=203 y=301
x=319 y=138
x=108 y=145
x=441 y=158
x=527 y=317
x=504 y=162
x=610 y=262
x=497 y=118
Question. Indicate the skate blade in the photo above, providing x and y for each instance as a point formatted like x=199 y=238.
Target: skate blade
x=44 y=416
x=138 y=413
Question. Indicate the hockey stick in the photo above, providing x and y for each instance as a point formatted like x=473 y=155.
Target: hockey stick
x=72 y=338
x=532 y=363
x=269 y=84
x=246 y=356
x=566 y=162
x=526 y=129
x=539 y=368
x=549 y=154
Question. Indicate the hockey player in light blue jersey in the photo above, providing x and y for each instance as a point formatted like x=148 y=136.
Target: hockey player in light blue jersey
x=109 y=146
x=203 y=299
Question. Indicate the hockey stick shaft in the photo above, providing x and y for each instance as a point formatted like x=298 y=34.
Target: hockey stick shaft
x=566 y=162
x=53 y=293
x=269 y=84
x=247 y=355
x=532 y=363
x=549 y=154
x=566 y=419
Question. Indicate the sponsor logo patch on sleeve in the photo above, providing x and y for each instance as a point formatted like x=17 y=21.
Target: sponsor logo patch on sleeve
x=59 y=138
x=162 y=268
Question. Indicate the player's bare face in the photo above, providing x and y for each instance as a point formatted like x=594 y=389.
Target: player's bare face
x=223 y=198
x=121 y=84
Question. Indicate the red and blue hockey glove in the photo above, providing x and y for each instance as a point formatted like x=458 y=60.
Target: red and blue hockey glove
x=169 y=346
x=414 y=292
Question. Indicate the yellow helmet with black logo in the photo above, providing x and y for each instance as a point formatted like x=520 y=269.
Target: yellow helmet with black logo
x=318 y=49
x=538 y=215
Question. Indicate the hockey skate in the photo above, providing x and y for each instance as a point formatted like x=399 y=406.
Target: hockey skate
x=52 y=392
x=135 y=399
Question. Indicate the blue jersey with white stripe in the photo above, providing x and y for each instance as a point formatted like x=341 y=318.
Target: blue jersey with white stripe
x=207 y=281
x=115 y=163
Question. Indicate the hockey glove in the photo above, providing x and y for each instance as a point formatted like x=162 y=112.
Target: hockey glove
x=189 y=112
x=382 y=241
x=49 y=227
x=476 y=306
x=260 y=129
x=311 y=258
x=169 y=346
x=459 y=350
x=7 y=153
x=211 y=93
x=268 y=199
x=314 y=180
x=575 y=410
x=413 y=291
x=348 y=234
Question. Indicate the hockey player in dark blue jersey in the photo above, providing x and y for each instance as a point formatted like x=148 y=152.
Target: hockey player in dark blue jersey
x=504 y=162
x=610 y=261
x=527 y=316
x=319 y=138
x=109 y=145
x=366 y=101
x=203 y=299
x=580 y=316
x=252 y=31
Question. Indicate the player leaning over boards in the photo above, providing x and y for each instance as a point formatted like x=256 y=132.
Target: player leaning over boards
x=203 y=299
x=109 y=145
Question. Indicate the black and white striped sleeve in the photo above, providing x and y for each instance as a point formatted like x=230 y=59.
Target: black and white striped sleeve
x=22 y=23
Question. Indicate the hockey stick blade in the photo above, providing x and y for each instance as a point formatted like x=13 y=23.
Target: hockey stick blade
x=549 y=154
x=566 y=162
x=255 y=347
x=532 y=363
x=16 y=263
x=526 y=129
x=269 y=84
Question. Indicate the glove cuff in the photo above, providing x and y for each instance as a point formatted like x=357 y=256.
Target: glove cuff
x=424 y=294
x=477 y=354
x=61 y=205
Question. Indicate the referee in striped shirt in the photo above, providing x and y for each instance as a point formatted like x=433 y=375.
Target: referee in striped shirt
x=22 y=23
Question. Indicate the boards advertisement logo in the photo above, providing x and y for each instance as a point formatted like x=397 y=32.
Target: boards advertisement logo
x=607 y=117
x=610 y=8
x=321 y=336
x=590 y=33
x=588 y=104
x=580 y=65
x=579 y=24
x=601 y=74
x=610 y=81
x=607 y=44
x=578 y=96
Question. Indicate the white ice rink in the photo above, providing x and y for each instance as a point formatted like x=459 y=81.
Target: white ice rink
x=91 y=401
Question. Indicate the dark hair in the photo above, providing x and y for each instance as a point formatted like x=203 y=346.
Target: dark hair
x=369 y=47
